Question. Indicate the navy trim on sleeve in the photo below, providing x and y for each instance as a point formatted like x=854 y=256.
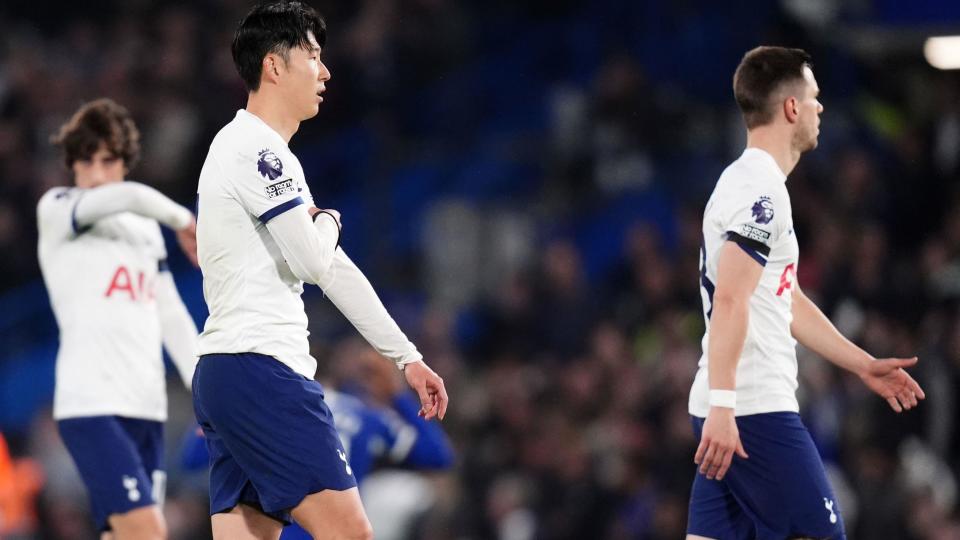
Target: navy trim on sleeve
x=279 y=209
x=163 y=265
x=77 y=229
x=745 y=242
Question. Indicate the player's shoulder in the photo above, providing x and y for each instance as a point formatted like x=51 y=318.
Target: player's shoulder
x=246 y=144
x=61 y=195
x=748 y=178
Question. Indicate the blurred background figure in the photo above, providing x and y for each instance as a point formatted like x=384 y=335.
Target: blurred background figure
x=524 y=165
x=104 y=264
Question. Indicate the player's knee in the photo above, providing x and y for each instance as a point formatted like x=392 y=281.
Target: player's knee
x=357 y=528
x=362 y=531
x=347 y=530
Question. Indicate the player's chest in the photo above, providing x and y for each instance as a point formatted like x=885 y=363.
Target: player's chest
x=118 y=259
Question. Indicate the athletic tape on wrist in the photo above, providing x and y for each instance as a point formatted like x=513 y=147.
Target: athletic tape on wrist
x=723 y=398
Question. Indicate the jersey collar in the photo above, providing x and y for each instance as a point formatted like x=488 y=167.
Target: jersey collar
x=249 y=116
x=764 y=156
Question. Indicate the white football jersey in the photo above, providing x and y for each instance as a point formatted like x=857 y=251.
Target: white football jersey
x=249 y=177
x=101 y=285
x=750 y=205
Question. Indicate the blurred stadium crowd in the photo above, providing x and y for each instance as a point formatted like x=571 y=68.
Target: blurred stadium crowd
x=523 y=182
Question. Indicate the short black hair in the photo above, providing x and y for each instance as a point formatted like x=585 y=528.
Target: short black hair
x=761 y=73
x=99 y=122
x=273 y=27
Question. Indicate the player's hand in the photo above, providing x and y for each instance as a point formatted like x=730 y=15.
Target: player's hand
x=430 y=389
x=888 y=379
x=719 y=441
x=187 y=238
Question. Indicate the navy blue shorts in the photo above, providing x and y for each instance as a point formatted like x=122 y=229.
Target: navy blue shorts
x=120 y=460
x=780 y=492
x=270 y=435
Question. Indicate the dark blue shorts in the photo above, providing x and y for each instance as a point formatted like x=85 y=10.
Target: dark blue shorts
x=270 y=435
x=780 y=492
x=120 y=460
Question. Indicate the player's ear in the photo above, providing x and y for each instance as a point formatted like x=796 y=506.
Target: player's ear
x=271 y=67
x=791 y=109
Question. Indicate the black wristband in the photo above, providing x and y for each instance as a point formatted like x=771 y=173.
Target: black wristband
x=334 y=218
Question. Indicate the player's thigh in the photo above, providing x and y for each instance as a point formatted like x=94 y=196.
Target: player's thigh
x=783 y=486
x=714 y=511
x=332 y=514
x=111 y=465
x=288 y=449
x=245 y=522
x=144 y=523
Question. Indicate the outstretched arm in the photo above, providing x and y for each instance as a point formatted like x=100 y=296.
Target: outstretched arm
x=886 y=377
x=104 y=201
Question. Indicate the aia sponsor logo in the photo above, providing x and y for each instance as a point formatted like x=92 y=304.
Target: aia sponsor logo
x=134 y=286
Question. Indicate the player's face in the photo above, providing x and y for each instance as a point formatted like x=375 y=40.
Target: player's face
x=101 y=168
x=305 y=80
x=809 y=111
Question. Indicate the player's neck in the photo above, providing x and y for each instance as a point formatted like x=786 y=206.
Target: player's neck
x=274 y=114
x=776 y=144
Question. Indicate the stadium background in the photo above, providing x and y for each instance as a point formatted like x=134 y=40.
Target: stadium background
x=523 y=183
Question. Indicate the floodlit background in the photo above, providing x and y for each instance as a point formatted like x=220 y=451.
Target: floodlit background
x=523 y=183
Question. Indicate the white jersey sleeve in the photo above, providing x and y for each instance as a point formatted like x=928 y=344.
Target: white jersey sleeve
x=100 y=202
x=259 y=186
x=56 y=220
x=353 y=295
x=307 y=247
x=754 y=216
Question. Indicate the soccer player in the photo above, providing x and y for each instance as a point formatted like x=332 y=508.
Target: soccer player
x=760 y=475
x=275 y=454
x=105 y=267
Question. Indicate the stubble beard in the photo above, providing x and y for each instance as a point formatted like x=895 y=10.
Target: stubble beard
x=804 y=140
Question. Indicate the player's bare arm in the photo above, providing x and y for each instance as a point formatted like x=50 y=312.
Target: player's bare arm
x=886 y=377
x=738 y=275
